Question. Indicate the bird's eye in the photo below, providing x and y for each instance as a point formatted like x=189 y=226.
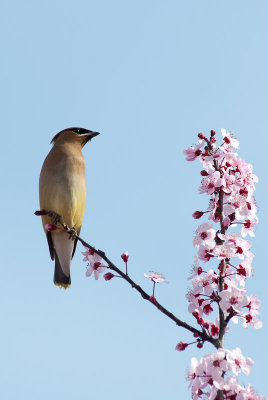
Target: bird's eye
x=80 y=131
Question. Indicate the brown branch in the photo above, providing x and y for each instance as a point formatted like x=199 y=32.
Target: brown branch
x=222 y=322
x=144 y=295
x=73 y=234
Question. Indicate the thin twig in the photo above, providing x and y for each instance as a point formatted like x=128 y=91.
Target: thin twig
x=73 y=234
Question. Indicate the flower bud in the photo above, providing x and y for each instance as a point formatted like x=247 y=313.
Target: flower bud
x=41 y=212
x=108 y=276
x=125 y=256
x=226 y=140
x=212 y=132
x=201 y=136
x=207 y=309
x=197 y=214
x=213 y=140
x=203 y=173
x=181 y=346
x=241 y=270
x=50 y=227
x=214 y=330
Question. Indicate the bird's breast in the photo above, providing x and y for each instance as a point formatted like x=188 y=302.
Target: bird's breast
x=62 y=187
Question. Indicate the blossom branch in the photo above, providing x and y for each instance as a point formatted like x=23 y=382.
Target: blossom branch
x=73 y=234
x=229 y=181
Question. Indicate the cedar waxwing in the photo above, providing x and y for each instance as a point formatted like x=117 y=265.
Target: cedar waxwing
x=62 y=190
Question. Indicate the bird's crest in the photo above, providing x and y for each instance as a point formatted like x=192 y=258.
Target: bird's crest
x=79 y=131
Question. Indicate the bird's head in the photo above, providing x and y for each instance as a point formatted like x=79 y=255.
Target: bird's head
x=75 y=135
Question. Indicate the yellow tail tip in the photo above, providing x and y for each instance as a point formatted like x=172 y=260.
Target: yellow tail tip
x=62 y=285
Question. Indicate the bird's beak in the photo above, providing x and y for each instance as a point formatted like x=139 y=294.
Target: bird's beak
x=93 y=134
x=89 y=136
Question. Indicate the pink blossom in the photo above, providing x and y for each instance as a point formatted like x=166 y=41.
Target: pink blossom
x=156 y=277
x=254 y=305
x=194 y=151
x=241 y=208
x=214 y=208
x=192 y=298
x=95 y=265
x=248 y=319
x=210 y=183
x=247 y=393
x=235 y=298
x=238 y=362
x=205 y=234
x=88 y=253
x=248 y=227
x=242 y=247
x=193 y=371
x=196 y=270
x=206 y=283
x=247 y=178
x=229 y=140
x=205 y=254
x=225 y=250
x=215 y=365
x=243 y=271
x=209 y=282
x=227 y=182
x=228 y=209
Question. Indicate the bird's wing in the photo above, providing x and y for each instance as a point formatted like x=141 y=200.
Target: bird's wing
x=75 y=241
x=50 y=245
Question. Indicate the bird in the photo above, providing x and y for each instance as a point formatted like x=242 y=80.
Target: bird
x=62 y=193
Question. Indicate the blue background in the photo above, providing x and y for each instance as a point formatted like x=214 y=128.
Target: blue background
x=148 y=75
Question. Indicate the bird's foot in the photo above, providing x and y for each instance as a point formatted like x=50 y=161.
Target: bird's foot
x=56 y=218
x=73 y=233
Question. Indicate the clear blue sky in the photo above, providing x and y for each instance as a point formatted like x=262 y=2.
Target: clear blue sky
x=148 y=75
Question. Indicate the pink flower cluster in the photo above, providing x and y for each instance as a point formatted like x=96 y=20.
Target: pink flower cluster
x=94 y=263
x=219 y=371
x=156 y=277
x=229 y=181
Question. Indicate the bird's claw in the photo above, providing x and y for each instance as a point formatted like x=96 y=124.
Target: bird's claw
x=56 y=218
x=72 y=232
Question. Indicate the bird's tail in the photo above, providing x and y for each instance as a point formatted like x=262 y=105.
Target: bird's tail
x=60 y=279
